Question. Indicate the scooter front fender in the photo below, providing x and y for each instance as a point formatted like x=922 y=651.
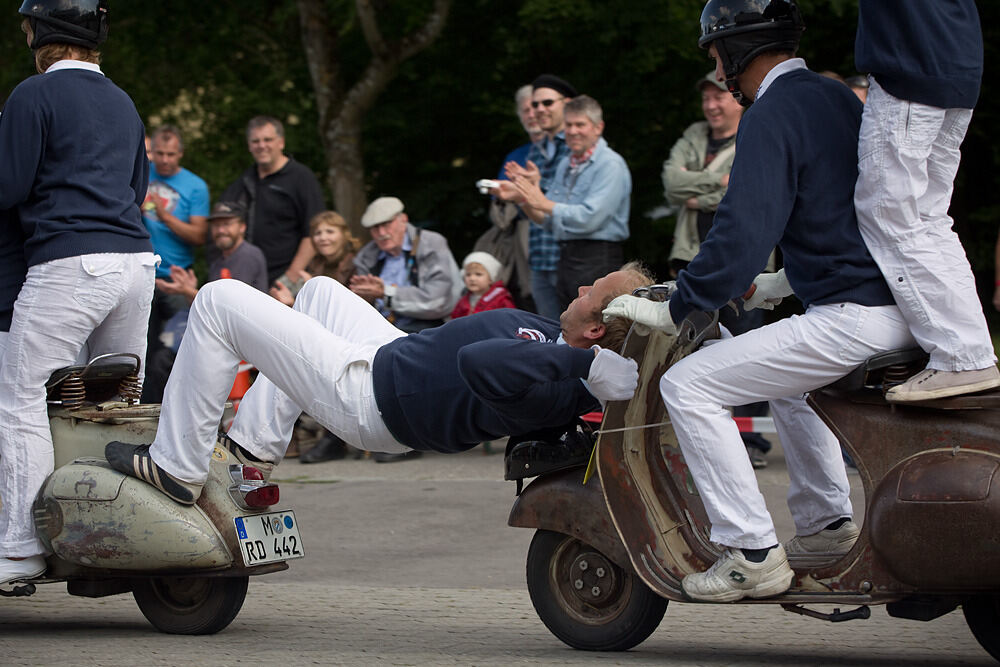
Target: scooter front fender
x=562 y=503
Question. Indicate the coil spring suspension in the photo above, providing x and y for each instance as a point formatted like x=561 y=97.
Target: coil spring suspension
x=894 y=375
x=72 y=391
x=130 y=389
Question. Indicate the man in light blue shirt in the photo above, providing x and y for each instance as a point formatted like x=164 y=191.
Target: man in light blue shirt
x=587 y=204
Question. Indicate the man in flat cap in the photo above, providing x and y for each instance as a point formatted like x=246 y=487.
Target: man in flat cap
x=409 y=274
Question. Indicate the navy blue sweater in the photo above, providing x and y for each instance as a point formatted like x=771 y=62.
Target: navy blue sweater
x=791 y=185
x=479 y=378
x=74 y=166
x=12 y=266
x=926 y=51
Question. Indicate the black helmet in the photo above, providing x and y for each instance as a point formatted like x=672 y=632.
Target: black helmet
x=80 y=22
x=743 y=29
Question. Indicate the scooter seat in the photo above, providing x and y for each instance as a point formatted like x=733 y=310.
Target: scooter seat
x=543 y=452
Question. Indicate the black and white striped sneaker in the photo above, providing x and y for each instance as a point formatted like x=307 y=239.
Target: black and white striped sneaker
x=135 y=461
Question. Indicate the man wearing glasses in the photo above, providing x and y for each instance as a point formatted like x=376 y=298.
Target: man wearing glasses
x=548 y=97
x=586 y=205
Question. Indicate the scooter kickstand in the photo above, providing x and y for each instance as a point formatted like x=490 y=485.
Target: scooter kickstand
x=836 y=616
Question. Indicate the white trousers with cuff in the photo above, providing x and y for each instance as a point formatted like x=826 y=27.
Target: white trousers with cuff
x=908 y=155
x=98 y=300
x=778 y=363
x=314 y=358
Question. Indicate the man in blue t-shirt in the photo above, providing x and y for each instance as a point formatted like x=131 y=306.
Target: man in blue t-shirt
x=175 y=211
x=791 y=185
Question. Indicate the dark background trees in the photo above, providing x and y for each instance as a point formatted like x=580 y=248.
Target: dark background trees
x=444 y=117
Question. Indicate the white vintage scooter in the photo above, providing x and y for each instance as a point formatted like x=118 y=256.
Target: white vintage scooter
x=188 y=567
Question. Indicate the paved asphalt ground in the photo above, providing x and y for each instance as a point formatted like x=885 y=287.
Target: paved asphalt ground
x=412 y=563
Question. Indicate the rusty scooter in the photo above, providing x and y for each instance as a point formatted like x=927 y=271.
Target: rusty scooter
x=608 y=556
x=188 y=567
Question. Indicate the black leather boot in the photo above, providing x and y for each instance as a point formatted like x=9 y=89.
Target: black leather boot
x=328 y=448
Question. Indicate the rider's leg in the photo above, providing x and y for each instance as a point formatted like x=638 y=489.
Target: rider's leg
x=323 y=373
x=819 y=492
x=787 y=358
x=908 y=156
x=60 y=305
x=264 y=422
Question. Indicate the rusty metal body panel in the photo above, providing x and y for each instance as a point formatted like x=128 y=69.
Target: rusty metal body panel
x=99 y=522
x=91 y=515
x=931 y=476
x=561 y=502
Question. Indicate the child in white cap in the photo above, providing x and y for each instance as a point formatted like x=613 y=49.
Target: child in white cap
x=483 y=291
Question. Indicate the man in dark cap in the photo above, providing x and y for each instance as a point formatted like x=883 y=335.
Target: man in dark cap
x=548 y=97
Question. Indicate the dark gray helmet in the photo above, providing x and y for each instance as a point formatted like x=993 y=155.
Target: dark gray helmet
x=741 y=30
x=79 y=22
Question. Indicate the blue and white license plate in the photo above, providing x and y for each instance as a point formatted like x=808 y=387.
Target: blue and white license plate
x=268 y=538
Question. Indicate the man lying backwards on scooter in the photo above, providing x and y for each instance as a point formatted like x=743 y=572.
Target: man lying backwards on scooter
x=471 y=380
x=791 y=185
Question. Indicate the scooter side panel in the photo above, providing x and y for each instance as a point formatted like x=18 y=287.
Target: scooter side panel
x=137 y=529
x=880 y=437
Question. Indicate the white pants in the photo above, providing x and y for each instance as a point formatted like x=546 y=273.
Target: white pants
x=777 y=363
x=100 y=300
x=314 y=358
x=908 y=155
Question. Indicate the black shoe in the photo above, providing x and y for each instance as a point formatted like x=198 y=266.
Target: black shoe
x=328 y=448
x=385 y=457
x=135 y=461
x=245 y=457
x=757 y=459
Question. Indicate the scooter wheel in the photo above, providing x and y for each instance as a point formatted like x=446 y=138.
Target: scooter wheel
x=190 y=605
x=585 y=599
x=982 y=613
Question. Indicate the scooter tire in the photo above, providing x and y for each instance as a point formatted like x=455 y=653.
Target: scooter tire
x=190 y=605
x=982 y=613
x=585 y=599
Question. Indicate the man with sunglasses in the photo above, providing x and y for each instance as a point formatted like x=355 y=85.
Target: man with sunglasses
x=548 y=97
x=586 y=206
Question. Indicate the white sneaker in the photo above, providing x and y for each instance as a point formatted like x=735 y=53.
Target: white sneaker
x=733 y=577
x=929 y=384
x=826 y=541
x=16 y=570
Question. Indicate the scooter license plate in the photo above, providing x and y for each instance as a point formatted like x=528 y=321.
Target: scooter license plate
x=268 y=538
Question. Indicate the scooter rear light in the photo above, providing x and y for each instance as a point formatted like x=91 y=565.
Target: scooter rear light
x=263 y=496
x=254 y=494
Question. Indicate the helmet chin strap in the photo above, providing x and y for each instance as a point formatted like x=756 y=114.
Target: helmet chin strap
x=732 y=70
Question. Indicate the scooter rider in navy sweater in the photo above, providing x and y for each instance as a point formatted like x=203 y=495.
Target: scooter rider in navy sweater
x=473 y=379
x=925 y=59
x=75 y=168
x=791 y=185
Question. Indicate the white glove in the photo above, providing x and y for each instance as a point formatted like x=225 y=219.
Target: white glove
x=612 y=376
x=771 y=289
x=655 y=314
